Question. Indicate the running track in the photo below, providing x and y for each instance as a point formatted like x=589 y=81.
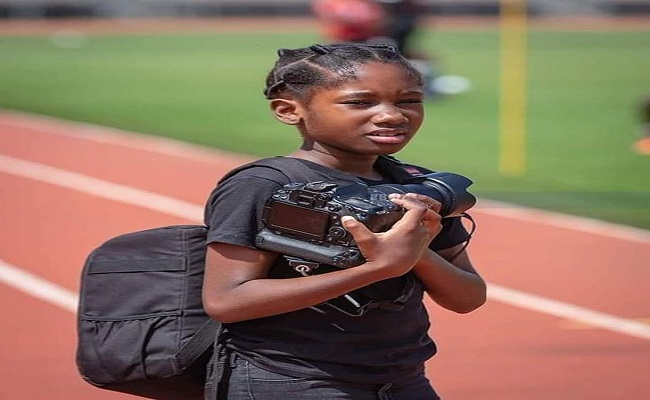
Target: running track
x=568 y=296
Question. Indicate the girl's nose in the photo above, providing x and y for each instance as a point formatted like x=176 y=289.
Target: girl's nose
x=390 y=115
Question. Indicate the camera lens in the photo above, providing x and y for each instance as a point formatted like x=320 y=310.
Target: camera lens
x=448 y=188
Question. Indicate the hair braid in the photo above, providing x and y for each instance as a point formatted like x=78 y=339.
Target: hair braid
x=298 y=72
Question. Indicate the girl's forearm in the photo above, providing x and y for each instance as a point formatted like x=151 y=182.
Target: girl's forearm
x=258 y=298
x=457 y=288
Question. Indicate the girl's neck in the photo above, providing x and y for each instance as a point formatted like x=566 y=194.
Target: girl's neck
x=359 y=165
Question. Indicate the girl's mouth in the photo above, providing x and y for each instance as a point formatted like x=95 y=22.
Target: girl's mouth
x=388 y=136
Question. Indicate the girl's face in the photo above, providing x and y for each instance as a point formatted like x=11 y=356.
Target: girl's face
x=376 y=114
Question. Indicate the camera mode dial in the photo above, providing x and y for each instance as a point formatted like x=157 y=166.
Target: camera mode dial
x=336 y=232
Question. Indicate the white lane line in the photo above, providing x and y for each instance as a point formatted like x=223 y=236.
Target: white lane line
x=565 y=221
x=101 y=188
x=38 y=287
x=118 y=137
x=176 y=148
x=569 y=311
x=54 y=294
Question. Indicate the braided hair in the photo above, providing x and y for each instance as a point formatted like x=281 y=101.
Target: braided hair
x=298 y=72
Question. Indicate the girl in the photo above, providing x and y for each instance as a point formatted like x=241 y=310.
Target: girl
x=288 y=336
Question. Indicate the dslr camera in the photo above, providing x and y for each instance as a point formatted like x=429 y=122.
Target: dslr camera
x=304 y=219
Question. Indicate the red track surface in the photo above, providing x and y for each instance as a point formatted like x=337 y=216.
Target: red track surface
x=498 y=352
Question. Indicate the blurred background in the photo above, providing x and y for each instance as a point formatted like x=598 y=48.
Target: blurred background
x=203 y=8
x=541 y=102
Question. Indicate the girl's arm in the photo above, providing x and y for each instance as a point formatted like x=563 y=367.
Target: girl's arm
x=455 y=285
x=237 y=287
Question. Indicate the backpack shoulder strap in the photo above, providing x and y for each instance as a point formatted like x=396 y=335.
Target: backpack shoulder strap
x=292 y=168
x=296 y=171
x=198 y=344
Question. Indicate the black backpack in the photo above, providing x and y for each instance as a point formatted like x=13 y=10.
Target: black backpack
x=141 y=325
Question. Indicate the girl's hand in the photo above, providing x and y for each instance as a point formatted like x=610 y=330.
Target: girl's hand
x=395 y=251
x=431 y=204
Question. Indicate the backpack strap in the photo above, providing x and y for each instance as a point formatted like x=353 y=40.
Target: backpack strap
x=292 y=168
x=296 y=171
x=200 y=341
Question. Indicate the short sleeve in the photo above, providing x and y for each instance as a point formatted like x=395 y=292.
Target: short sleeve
x=234 y=210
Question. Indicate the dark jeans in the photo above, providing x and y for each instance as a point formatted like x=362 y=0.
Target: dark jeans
x=246 y=381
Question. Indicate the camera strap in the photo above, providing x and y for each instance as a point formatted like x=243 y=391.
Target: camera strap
x=355 y=303
x=399 y=171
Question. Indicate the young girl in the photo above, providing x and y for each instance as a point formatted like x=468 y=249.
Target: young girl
x=288 y=336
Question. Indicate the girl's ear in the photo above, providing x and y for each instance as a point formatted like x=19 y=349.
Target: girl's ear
x=286 y=111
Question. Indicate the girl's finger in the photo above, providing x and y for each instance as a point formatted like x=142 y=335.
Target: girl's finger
x=359 y=231
x=432 y=204
x=415 y=210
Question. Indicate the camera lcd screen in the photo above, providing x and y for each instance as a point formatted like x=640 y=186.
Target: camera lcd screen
x=299 y=220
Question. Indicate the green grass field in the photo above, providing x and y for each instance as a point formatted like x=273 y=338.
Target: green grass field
x=583 y=94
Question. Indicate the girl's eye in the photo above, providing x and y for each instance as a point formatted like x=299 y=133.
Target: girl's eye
x=411 y=101
x=356 y=102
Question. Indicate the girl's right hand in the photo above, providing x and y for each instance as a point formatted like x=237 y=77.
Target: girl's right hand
x=396 y=251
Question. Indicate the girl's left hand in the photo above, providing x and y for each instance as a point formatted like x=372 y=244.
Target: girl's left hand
x=431 y=221
x=395 y=251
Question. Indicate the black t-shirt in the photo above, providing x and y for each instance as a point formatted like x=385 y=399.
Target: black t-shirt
x=384 y=344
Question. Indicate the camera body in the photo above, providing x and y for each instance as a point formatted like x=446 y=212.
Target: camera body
x=313 y=211
x=304 y=219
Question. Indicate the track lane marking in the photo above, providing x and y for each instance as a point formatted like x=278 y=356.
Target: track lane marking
x=62 y=297
x=38 y=287
x=118 y=137
x=565 y=221
x=189 y=151
x=101 y=188
x=569 y=311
